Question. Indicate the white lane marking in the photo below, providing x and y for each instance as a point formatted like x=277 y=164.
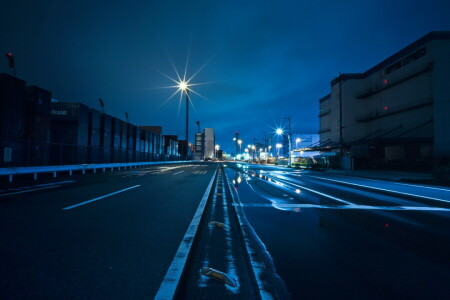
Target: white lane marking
x=53 y=183
x=314 y=191
x=392 y=182
x=101 y=197
x=356 y=207
x=170 y=282
x=177 y=173
x=27 y=191
x=380 y=189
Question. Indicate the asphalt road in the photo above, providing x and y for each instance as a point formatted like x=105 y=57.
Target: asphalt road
x=102 y=236
x=284 y=234
x=340 y=237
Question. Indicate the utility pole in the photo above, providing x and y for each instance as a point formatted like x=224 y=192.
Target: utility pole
x=187 y=115
x=289 y=141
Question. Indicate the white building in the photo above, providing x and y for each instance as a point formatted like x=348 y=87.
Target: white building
x=209 y=143
x=396 y=110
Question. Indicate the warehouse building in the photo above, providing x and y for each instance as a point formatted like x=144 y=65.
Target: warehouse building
x=394 y=113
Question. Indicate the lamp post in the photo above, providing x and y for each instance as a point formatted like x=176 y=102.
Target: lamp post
x=217 y=150
x=183 y=86
x=278 y=146
x=240 y=146
x=279 y=131
x=297 y=140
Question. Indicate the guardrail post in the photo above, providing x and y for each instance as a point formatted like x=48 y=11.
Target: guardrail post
x=54 y=174
x=10 y=178
x=95 y=170
x=35 y=176
x=112 y=169
x=84 y=171
x=70 y=173
x=104 y=169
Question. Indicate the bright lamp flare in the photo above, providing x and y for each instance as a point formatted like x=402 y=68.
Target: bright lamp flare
x=279 y=131
x=182 y=85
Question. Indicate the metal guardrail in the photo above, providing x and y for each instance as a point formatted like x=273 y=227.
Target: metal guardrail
x=83 y=168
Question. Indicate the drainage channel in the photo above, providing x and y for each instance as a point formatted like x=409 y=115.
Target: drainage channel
x=218 y=267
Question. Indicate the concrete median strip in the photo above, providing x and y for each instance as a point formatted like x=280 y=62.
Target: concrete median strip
x=171 y=281
x=101 y=197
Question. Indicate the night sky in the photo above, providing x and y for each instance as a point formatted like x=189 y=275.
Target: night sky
x=263 y=60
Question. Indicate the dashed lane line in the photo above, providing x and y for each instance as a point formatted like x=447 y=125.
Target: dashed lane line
x=101 y=197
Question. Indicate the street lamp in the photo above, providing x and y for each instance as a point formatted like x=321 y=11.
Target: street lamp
x=217 y=149
x=297 y=140
x=278 y=146
x=279 y=131
x=240 y=146
x=183 y=86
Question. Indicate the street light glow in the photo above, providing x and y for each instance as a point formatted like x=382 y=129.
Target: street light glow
x=182 y=85
x=279 y=131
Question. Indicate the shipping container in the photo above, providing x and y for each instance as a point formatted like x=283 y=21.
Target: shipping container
x=69 y=133
x=38 y=153
x=39 y=100
x=12 y=153
x=124 y=135
x=94 y=128
x=116 y=133
x=94 y=137
x=106 y=136
x=37 y=126
x=12 y=108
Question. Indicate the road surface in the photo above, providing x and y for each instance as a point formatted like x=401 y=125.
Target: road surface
x=340 y=237
x=271 y=233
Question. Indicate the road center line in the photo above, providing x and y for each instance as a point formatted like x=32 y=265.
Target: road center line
x=177 y=173
x=380 y=189
x=98 y=198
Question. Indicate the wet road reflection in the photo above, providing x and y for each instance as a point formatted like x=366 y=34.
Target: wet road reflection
x=332 y=241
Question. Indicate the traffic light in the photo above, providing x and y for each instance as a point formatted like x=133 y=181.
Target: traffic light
x=10 y=60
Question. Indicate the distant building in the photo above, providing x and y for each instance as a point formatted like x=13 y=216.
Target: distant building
x=209 y=143
x=396 y=110
x=199 y=149
x=205 y=144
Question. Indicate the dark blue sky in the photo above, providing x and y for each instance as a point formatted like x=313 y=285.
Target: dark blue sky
x=265 y=59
